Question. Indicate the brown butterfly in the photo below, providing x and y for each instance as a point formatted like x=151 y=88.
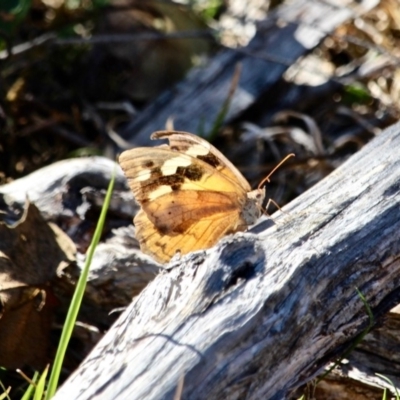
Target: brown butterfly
x=190 y=194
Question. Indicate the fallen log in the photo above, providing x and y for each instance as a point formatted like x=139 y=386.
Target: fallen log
x=290 y=32
x=260 y=314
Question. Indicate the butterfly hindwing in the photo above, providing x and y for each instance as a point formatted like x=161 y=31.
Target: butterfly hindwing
x=174 y=212
x=189 y=235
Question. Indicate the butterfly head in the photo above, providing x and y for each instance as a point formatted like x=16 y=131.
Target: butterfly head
x=252 y=209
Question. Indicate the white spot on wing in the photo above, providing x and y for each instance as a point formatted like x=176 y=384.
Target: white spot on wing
x=197 y=150
x=170 y=166
x=160 y=191
x=144 y=175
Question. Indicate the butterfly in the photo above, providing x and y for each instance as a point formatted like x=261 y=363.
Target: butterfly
x=190 y=195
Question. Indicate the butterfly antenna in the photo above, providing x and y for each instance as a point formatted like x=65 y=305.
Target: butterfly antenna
x=266 y=179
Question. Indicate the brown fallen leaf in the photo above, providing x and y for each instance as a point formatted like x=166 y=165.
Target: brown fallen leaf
x=31 y=253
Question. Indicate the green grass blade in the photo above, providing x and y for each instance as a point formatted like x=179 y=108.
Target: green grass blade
x=223 y=112
x=391 y=383
x=41 y=385
x=77 y=298
x=369 y=311
x=29 y=391
x=5 y=395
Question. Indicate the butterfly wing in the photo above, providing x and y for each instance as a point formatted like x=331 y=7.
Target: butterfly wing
x=190 y=198
x=154 y=172
x=195 y=146
x=185 y=221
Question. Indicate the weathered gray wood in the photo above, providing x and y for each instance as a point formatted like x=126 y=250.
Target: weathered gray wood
x=289 y=33
x=258 y=315
x=356 y=377
x=47 y=186
x=378 y=353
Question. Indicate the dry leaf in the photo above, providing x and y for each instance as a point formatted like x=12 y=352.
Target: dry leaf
x=31 y=251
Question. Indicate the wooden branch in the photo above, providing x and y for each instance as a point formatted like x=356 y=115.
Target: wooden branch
x=258 y=315
x=289 y=33
x=47 y=186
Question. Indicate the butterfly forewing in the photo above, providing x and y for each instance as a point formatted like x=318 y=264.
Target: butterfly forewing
x=153 y=172
x=187 y=143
